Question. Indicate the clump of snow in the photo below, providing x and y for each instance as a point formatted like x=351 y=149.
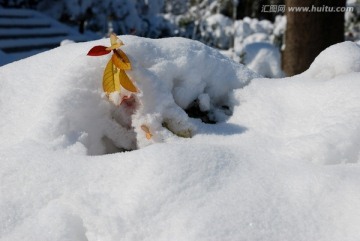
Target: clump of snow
x=232 y=36
x=279 y=25
x=352 y=23
x=204 y=102
x=217 y=30
x=256 y=176
x=338 y=59
x=170 y=73
x=251 y=30
x=66 y=41
x=257 y=45
x=264 y=59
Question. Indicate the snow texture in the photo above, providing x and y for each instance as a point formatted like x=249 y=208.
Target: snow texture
x=259 y=175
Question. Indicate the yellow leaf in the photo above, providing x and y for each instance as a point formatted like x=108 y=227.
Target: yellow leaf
x=126 y=82
x=111 y=78
x=121 y=60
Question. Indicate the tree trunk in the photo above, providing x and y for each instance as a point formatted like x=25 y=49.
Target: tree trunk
x=309 y=33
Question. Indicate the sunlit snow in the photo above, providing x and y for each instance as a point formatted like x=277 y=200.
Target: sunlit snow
x=281 y=163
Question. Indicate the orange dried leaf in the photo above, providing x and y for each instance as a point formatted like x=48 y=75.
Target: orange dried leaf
x=121 y=60
x=126 y=82
x=147 y=131
x=111 y=79
x=148 y=136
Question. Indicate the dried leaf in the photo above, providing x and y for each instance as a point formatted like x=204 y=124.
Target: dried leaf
x=115 y=40
x=121 y=60
x=111 y=78
x=112 y=47
x=126 y=82
x=148 y=136
x=98 y=51
x=147 y=131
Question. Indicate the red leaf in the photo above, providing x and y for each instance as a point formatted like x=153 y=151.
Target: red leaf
x=98 y=50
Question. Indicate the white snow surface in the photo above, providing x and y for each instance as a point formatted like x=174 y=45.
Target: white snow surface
x=259 y=175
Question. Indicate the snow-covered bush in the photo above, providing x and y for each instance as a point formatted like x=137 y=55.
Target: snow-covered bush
x=257 y=45
x=263 y=58
x=249 y=31
x=214 y=29
x=174 y=76
x=279 y=31
x=199 y=20
x=217 y=30
x=352 y=21
x=138 y=17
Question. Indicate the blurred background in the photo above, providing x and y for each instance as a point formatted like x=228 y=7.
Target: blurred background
x=275 y=38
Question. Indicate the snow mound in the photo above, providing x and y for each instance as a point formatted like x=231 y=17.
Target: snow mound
x=68 y=110
x=338 y=59
x=259 y=175
x=311 y=119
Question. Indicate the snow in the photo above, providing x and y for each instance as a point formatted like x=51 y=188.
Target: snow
x=217 y=29
x=279 y=25
x=164 y=71
x=263 y=58
x=204 y=102
x=256 y=44
x=340 y=59
x=262 y=174
x=206 y=24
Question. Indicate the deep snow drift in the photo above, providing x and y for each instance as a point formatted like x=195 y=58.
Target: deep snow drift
x=258 y=175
